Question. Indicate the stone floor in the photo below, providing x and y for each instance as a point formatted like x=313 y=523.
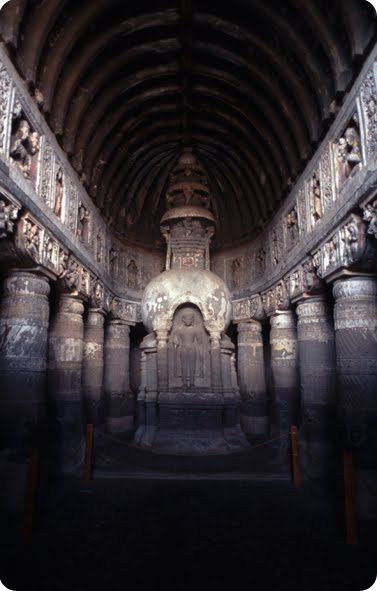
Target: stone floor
x=109 y=534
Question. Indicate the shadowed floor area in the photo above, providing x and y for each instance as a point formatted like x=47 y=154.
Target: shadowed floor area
x=108 y=534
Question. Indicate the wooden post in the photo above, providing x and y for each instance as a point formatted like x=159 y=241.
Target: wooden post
x=349 y=498
x=88 y=452
x=31 y=493
x=295 y=459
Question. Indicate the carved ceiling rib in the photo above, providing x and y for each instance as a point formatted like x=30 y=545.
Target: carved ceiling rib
x=251 y=84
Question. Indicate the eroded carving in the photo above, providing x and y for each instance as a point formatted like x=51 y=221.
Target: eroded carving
x=315 y=199
x=370 y=216
x=369 y=102
x=59 y=193
x=348 y=152
x=83 y=219
x=8 y=217
x=24 y=145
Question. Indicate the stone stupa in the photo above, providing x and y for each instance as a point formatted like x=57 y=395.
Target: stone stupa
x=189 y=397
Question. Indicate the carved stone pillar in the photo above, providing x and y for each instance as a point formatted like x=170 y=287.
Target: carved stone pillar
x=215 y=339
x=120 y=407
x=65 y=383
x=24 y=316
x=93 y=363
x=356 y=357
x=252 y=381
x=317 y=381
x=162 y=359
x=285 y=390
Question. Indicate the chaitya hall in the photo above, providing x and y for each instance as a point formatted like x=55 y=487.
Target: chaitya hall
x=188 y=242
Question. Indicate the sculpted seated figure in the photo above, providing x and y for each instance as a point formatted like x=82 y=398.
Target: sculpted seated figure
x=187 y=343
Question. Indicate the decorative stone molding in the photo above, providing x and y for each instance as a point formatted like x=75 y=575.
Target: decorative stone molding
x=248 y=309
x=128 y=312
x=347 y=248
x=9 y=211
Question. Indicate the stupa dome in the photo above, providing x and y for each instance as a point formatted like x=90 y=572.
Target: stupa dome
x=175 y=287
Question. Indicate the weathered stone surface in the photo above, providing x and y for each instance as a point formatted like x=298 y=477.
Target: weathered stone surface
x=93 y=363
x=23 y=350
x=65 y=384
x=251 y=378
x=285 y=388
x=316 y=349
x=120 y=406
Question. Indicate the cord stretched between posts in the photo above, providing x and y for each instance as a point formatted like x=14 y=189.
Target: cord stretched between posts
x=130 y=445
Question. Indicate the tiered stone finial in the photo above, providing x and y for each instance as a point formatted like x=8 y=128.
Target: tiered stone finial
x=188 y=225
x=188 y=184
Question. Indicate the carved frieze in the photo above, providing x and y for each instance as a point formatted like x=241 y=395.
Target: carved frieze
x=83 y=220
x=71 y=276
x=291 y=227
x=50 y=256
x=97 y=299
x=125 y=310
x=370 y=216
x=348 y=157
x=247 y=309
x=315 y=198
x=301 y=211
x=58 y=193
x=31 y=238
x=348 y=248
x=368 y=93
x=47 y=174
x=5 y=100
x=24 y=146
x=8 y=216
x=326 y=180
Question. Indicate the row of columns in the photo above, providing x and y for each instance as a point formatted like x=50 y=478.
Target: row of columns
x=55 y=361
x=323 y=374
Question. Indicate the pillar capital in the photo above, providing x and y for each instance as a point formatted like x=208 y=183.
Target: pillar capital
x=25 y=283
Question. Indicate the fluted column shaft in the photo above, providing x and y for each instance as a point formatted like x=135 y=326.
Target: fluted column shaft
x=120 y=405
x=24 y=317
x=65 y=383
x=317 y=384
x=93 y=364
x=284 y=359
x=252 y=381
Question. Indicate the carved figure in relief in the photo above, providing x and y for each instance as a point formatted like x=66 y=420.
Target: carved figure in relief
x=292 y=226
x=72 y=277
x=260 y=261
x=62 y=264
x=59 y=190
x=316 y=202
x=83 y=223
x=7 y=214
x=132 y=275
x=113 y=256
x=18 y=151
x=99 y=248
x=236 y=274
x=370 y=215
x=310 y=278
x=350 y=239
x=32 y=239
x=188 y=346
x=348 y=153
x=275 y=247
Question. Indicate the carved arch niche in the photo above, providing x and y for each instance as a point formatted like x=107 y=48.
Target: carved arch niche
x=189 y=350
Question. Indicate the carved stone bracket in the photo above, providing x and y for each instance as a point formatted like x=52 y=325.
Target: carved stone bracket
x=9 y=211
x=348 y=249
x=125 y=311
x=248 y=309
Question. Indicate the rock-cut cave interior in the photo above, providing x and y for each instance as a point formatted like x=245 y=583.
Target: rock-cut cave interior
x=188 y=294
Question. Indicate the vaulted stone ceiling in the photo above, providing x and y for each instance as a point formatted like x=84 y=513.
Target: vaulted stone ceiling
x=252 y=85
